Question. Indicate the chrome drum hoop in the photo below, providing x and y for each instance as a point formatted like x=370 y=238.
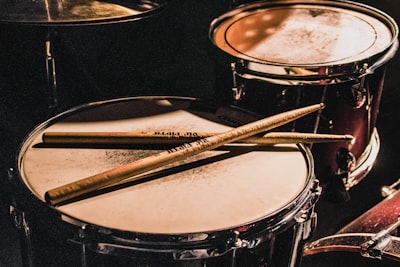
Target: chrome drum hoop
x=113 y=241
x=350 y=242
x=330 y=72
x=203 y=245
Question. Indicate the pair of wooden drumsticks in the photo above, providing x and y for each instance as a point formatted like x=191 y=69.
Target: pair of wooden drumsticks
x=204 y=142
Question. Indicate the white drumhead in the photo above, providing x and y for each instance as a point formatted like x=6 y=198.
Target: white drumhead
x=220 y=189
x=302 y=34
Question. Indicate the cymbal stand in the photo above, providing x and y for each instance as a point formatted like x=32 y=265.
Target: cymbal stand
x=51 y=74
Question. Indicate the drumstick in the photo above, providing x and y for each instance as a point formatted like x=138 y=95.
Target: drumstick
x=92 y=183
x=167 y=137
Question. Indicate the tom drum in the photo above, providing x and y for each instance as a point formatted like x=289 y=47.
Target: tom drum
x=287 y=54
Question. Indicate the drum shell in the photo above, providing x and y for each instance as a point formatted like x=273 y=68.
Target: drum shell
x=266 y=81
x=376 y=219
x=54 y=242
x=341 y=115
x=60 y=245
x=54 y=238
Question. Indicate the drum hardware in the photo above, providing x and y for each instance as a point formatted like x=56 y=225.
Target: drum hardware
x=377 y=246
x=18 y=218
x=373 y=235
x=372 y=239
x=51 y=71
x=284 y=97
x=19 y=221
x=81 y=240
x=359 y=94
x=295 y=76
x=302 y=235
x=365 y=161
x=184 y=248
x=350 y=170
x=373 y=248
x=346 y=163
x=387 y=191
x=353 y=243
x=237 y=91
x=307 y=223
x=82 y=237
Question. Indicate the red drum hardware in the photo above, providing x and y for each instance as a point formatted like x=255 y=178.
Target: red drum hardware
x=238 y=205
x=370 y=240
x=287 y=54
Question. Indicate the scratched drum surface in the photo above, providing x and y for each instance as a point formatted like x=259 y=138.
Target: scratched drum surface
x=303 y=34
x=220 y=189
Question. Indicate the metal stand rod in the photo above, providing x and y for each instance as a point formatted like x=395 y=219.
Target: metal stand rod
x=51 y=72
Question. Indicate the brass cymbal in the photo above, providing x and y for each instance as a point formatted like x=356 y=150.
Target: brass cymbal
x=75 y=12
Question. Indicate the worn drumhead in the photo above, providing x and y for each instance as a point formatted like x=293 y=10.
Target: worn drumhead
x=295 y=33
x=220 y=189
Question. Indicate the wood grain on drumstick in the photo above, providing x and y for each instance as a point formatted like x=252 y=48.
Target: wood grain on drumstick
x=168 y=137
x=95 y=182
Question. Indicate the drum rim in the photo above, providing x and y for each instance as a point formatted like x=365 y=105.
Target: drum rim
x=334 y=70
x=349 y=242
x=274 y=221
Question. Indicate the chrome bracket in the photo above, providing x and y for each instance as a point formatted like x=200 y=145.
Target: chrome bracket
x=374 y=247
x=18 y=218
x=388 y=190
x=346 y=162
x=237 y=90
x=359 y=93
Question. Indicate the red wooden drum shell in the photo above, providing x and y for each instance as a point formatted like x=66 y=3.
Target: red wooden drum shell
x=287 y=54
x=344 y=248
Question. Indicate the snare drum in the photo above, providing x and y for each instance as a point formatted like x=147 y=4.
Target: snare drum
x=287 y=54
x=239 y=205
